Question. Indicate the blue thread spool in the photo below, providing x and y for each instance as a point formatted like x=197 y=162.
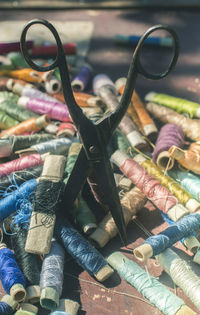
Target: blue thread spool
x=156 y=244
x=80 y=249
x=8 y=305
x=10 y=203
x=12 y=279
x=134 y=39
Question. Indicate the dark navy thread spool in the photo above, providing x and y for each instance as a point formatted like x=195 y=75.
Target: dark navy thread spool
x=82 y=251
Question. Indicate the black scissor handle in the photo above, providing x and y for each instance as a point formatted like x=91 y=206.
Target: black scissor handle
x=139 y=47
x=26 y=54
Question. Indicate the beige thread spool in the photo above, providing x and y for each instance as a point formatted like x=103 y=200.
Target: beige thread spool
x=39 y=235
x=190 y=127
x=132 y=202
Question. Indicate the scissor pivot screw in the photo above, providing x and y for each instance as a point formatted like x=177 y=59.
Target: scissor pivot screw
x=93 y=149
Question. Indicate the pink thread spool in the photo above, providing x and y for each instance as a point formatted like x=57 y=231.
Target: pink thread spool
x=20 y=164
x=150 y=186
x=66 y=129
x=54 y=110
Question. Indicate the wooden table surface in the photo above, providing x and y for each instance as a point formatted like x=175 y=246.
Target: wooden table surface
x=184 y=81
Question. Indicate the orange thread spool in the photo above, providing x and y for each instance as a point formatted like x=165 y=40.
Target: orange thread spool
x=187 y=158
x=28 y=75
x=145 y=122
x=30 y=125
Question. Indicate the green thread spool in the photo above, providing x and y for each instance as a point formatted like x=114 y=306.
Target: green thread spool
x=17 y=60
x=81 y=213
x=180 y=105
x=4 y=95
x=149 y=287
x=18 y=113
x=181 y=274
x=6 y=121
x=120 y=142
x=182 y=195
x=188 y=181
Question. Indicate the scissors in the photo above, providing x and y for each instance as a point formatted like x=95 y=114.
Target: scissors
x=95 y=136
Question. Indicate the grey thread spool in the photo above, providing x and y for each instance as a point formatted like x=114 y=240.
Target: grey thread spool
x=107 y=91
x=181 y=274
x=51 y=277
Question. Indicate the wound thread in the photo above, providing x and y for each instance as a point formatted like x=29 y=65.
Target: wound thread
x=170 y=134
x=180 y=105
x=158 y=294
x=22 y=163
x=52 y=276
x=190 y=127
x=81 y=250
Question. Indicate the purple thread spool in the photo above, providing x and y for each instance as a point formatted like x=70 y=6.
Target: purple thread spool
x=101 y=80
x=170 y=134
x=80 y=82
x=54 y=110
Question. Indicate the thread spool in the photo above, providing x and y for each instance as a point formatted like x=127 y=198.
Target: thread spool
x=52 y=86
x=180 y=105
x=55 y=146
x=8 y=305
x=82 y=251
x=3 y=83
x=170 y=134
x=156 y=244
x=127 y=126
x=20 y=114
x=186 y=158
x=148 y=286
x=132 y=202
x=120 y=142
x=188 y=181
x=148 y=125
x=85 y=100
x=10 y=144
x=5 y=96
x=51 y=278
x=7 y=121
x=66 y=129
x=46 y=204
x=82 y=79
x=17 y=60
x=181 y=274
x=12 y=201
x=18 y=178
x=25 y=74
x=27 y=309
x=11 y=276
x=30 y=264
x=101 y=80
x=66 y=306
x=190 y=127
x=54 y=110
x=20 y=164
x=30 y=125
x=182 y=195
x=150 y=186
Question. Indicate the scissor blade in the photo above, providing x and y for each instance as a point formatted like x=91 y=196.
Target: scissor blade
x=76 y=180
x=105 y=178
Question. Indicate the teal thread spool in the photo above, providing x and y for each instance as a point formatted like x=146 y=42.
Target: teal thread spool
x=149 y=287
x=20 y=114
x=180 y=105
x=188 y=181
x=66 y=307
x=17 y=60
x=120 y=142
